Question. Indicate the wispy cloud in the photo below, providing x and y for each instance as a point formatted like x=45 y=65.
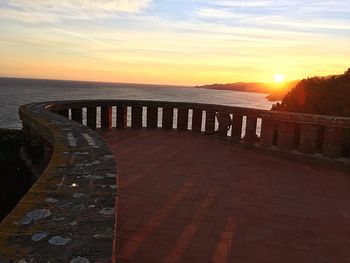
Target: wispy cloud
x=290 y=15
x=56 y=10
x=251 y=3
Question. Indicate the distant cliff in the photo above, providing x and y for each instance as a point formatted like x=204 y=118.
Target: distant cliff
x=319 y=95
x=274 y=91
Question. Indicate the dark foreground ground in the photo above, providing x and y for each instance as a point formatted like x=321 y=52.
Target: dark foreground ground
x=191 y=198
x=15 y=177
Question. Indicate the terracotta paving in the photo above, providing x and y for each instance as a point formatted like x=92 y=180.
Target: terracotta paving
x=186 y=197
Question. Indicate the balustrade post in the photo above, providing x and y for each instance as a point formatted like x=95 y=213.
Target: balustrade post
x=250 y=133
x=47 y=149
x=286 y=135
x=106 y=117
x=308 y=139
x=168 y=117
x=136 y=117
x=64 y=113
x=225 y=123
x=197 y=120
x=121 y=117
x=237 y=128
x=210 y=122
x=152 y=117
x=32 y=153
x=91 y=117
x=267 y=132
x=182 y=119
x=77 y=115
x=332 y=142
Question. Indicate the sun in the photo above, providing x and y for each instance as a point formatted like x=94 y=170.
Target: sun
x=278 y=78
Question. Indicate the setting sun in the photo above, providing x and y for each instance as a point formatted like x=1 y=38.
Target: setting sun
x=278 y=78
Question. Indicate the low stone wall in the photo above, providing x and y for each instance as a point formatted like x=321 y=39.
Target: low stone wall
x=303 y=135
x=69 y=213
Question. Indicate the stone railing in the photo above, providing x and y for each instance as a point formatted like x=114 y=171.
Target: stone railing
x=69 y=213
x=304 y=135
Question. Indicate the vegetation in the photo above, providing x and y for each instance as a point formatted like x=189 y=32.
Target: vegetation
x=326 y=96
x=15 y=176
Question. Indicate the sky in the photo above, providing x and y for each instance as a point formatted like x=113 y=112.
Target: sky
x=180 y=42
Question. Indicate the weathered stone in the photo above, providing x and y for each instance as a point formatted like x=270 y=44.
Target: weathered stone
x=79 y=260
x=59 y=241
x=267 y=132
x=34 y=216
x=106 y=117
x=77 y=115
x=225 y=123
x=78 y=195
x=107 y=211
x=136 y=117
x=332 y=142
x=152 y=117
x=91 y=120
x=197 y=120
x=286 y=135
x=168 y=117
x=182 y=119
x=308 y=139
x=121 y=117
x=237 y=128
x=39 y=236
x=210 y=117
x=60 y=191
x=250 y=134
x=51 y=200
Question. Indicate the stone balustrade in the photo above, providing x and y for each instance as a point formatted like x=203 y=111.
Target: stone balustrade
x=298 y=134
x=69 y=214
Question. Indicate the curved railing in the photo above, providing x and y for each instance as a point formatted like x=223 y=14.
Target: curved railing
x=303 y=135
x=69 y=213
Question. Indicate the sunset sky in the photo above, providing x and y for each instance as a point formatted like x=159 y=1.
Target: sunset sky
x=185 y=42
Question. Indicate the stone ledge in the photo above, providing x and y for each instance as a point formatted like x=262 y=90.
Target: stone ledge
x=69 y=213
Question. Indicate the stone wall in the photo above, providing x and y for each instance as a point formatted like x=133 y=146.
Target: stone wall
x=303 y=135
x=69 y=213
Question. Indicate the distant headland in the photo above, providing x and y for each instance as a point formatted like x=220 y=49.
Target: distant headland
x=275 y=92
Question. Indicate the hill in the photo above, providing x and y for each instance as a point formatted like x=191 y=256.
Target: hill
x=319 y=95
x=274 y=91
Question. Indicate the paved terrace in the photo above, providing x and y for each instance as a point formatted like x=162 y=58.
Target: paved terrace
x=189 y=198
x=194 y=183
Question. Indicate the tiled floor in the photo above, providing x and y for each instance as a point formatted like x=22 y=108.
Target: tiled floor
x=191 y=198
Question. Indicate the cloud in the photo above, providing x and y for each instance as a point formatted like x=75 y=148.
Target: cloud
x=227 y=3
x=56 y=10
x=314 y=16
x=217 y=13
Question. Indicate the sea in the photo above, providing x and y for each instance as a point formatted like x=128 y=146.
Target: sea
x=16 y=92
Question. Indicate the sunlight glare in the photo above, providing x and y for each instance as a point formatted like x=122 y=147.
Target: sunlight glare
x=279 y=78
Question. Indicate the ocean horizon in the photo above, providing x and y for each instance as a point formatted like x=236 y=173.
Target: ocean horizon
x=15 y=92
